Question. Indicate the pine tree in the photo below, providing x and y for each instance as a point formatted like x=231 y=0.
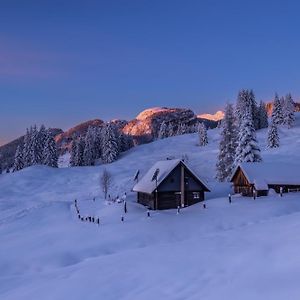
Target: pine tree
x=73 y=153
x=41 y=140
x=170 y=129
x=277 y=114
x=246 y=102
x=79 y=161
x=26 y=148
x=273 y=137
x=247 y=147
x=50 y=151
x=263 y=115
x=99 y=131
x=89 y=148
x=202 y=132
x=289 y=111
x=110 y=150
x=35 y=151
x=163 y=131
x=227 y=146
x=254 y=109
x=18 y=163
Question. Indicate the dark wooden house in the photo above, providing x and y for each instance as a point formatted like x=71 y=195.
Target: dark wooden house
x=259 y=178
x=169 y=184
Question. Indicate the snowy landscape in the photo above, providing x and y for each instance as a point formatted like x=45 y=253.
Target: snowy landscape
x=247 y=249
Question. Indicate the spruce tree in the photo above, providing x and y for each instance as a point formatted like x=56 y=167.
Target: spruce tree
x=26 y=148
x=99 y=131
x=18 y=163
x=36 y=153
x=73 y=152
x=247 y=147
x=273 y=137
x=170 y=129
x=254 y=109
x=277 y=114
x=79 y=161
x=202 y=132
x=89 y=148
x=41 y=137
x=263 y=116
x=50 y=151
x=110 y=150
x=288 y=111
x=227 y=146
x=163 y=131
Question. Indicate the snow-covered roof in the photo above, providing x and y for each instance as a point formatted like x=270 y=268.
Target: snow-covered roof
x=263 y=174
x=147 y=185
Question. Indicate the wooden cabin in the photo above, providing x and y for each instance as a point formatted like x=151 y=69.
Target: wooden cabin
x=259 y=178
x=169 y=184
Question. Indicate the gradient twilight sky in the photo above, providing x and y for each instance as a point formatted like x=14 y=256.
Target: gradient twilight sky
x=63 y=62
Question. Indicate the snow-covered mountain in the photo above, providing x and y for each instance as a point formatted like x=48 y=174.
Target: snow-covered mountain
x=144 y=128
x=244 y=250
x=219 y=115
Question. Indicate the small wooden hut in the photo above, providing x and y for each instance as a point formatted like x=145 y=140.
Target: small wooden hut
x=169 y=184
x=259 y=178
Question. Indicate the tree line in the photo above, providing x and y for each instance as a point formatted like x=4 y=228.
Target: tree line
x=238 y=130
x=103 y=143
x=38 y=148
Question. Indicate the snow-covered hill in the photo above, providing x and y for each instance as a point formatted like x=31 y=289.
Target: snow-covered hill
x=246 y=250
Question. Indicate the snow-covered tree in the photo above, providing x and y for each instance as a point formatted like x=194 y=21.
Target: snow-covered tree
x=182 y=129
x=240 y=106
x=73 y=152
x=288 y=111
x=202 y=132
x=26 y=148
x=227 y=146
x=98 y=141
x=35 y=150
x=125 y=142
x=110 y=150
x=170 y=129
x=18 y=163
x=89 y=148
x=247 y=149
x=50 y=151
x=79 y=161
x=254 y=109
x=273 y=137
x=277 y=114
x=246 y=102
x=41 y=141
x=263 y=115
x=163 y=131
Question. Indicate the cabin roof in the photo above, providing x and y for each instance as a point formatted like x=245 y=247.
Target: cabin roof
x=263 y=174
x=146 y=185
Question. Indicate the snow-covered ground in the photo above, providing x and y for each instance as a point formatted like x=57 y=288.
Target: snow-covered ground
x=244 y=250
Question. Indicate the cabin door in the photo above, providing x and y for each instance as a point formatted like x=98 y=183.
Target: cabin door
x=178 y=199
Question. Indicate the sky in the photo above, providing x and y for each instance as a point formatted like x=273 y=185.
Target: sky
x=64 y=62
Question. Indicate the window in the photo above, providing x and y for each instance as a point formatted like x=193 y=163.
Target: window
x=196 y=195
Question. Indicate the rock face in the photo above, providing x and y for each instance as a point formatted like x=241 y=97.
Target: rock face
x=219 y=115
x=144 y=128
x=64 y=139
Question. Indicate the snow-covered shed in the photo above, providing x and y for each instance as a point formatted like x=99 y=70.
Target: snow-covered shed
x=260 y=177
x=169 y=184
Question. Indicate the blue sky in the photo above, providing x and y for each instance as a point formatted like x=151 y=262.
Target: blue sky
x=63 y=62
